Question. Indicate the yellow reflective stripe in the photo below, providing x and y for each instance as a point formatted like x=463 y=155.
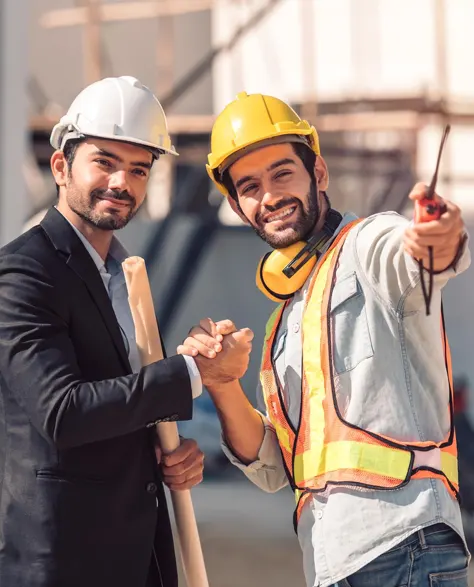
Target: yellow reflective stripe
x=271 y=321
x=382 y=463
x=347 y=454
x=283 y=437
x=449 y=466
x=312 y=367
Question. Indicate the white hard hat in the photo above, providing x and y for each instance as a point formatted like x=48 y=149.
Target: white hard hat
x=117 y=108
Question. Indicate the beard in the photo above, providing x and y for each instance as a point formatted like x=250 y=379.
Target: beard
x=296 y=230
x=85 y=207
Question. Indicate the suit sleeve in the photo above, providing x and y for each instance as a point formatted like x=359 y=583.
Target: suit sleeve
x=39 y=367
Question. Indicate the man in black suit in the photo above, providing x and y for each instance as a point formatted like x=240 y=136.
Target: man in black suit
x=81 y=495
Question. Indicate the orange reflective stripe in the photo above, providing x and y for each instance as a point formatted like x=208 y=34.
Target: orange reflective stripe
x=285 y=435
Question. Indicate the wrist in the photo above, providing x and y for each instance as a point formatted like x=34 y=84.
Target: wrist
x=216 y=387
x=454 y=262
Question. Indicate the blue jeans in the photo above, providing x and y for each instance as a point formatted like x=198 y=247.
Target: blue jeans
x=432 y=557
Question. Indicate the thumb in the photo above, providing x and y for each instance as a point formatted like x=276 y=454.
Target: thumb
x=418 y=192
x=244 y=335
x=225 y=327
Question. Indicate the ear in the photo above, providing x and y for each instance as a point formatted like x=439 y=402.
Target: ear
x=235 y=208
x=59 y=168
x=322 y=173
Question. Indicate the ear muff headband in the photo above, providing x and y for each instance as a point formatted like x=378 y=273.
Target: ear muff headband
x=283 y=272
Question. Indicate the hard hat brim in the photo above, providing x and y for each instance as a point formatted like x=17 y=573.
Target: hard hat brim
x=268 y=142
x=59 y=140
x=132 y=141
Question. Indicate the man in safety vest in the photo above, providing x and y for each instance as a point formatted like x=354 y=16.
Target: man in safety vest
x=355 y=373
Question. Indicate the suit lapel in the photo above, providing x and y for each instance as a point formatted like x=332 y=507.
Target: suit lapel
x=66 y=241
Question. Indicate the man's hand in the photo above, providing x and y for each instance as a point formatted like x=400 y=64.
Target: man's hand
x=228 y=348
x=183 y=468
x=444 y=235
x=206 y=338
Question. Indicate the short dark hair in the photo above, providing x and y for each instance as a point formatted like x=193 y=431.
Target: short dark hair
x=304 y=152
x=69 y=150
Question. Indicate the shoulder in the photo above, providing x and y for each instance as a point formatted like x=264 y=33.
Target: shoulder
x=31 y=250
x=30 y=243
x=378 y=230
x=381 y=223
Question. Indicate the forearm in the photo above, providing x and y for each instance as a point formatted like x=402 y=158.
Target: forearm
x=71 y=412
x=267 y=472
x=39 y=367
x=95 y=411
x=389 y=270
x=242 y=425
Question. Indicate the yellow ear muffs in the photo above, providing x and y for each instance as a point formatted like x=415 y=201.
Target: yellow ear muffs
x=283 y=272
x=277 y=278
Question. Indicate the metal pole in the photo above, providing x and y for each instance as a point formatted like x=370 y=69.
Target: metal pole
x=14 y=19
x=309 y=109
x=443 y=89
x=440 y=49
x=165 y=55
x=92 y=47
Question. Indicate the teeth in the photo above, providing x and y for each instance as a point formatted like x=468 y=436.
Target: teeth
x=281 y=215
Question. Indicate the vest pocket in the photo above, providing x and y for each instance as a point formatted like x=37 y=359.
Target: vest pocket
x=351 y=341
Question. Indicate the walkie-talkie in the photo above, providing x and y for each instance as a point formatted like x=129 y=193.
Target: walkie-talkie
x=431 y=207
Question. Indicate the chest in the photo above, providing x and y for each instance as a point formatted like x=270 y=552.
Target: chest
x=93 y=330
x=345 y=324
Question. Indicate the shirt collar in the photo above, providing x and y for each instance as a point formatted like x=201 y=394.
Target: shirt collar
x=117 y=251
x=346 y=219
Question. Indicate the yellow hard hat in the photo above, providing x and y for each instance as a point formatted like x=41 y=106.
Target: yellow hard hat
x=249 y=122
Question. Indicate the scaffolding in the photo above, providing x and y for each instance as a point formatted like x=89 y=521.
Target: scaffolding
x=374 y=141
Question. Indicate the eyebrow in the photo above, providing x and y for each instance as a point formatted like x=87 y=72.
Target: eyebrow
x=274 y=165
x=104 y=153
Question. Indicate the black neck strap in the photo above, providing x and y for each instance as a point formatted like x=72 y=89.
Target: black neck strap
x=315 y=244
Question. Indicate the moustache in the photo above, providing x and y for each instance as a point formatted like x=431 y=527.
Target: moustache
x=122 y=196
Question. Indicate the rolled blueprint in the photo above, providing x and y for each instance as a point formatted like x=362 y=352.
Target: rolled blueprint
x=150 y=349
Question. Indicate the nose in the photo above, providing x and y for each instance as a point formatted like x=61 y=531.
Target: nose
x=272 y=192
x=269 y=198
x=118 y=181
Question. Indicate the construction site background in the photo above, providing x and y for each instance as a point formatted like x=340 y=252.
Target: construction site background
x=378 y=78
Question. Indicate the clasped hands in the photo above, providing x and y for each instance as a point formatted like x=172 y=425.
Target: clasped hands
x=221 y=351
x=222 y=356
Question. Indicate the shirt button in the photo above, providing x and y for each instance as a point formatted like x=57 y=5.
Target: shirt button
x=151 y=488
x=296 y=328
x=319 y=514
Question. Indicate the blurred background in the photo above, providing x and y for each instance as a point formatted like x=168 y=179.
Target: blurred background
x=378 y=78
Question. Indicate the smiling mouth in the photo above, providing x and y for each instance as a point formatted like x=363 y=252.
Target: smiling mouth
x=280 y=215
x=116 y=202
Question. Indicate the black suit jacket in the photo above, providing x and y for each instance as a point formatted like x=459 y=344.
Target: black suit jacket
x=79 y=482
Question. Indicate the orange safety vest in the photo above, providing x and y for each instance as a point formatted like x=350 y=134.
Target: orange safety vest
x=325 y=449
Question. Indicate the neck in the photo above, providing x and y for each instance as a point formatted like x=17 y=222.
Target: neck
x=98 y=238
x=324 y=209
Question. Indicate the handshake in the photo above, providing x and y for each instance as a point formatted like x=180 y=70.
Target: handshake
x=221 y=351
